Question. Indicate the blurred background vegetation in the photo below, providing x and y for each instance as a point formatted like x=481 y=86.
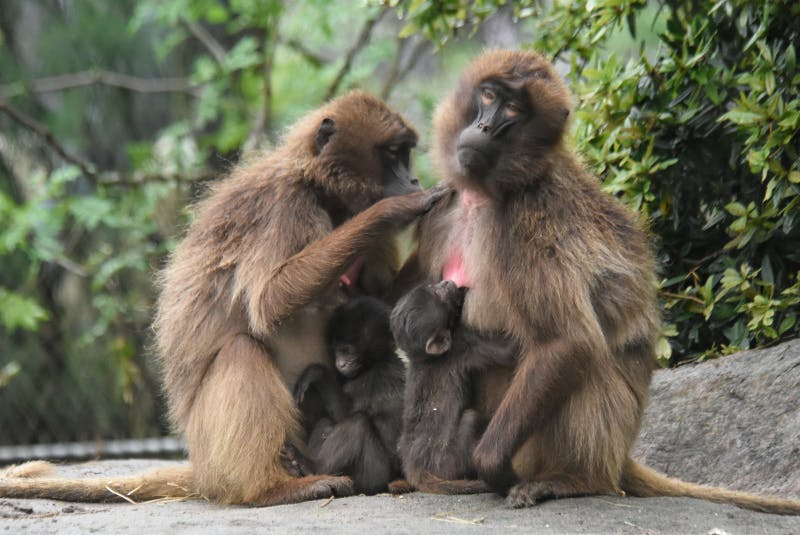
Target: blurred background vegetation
x=114 y=115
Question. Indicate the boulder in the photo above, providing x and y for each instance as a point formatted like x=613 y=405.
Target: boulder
x=732 y=422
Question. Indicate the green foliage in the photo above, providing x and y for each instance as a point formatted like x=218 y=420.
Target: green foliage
x=689 y=112
x=20 y=312
x=698 y=131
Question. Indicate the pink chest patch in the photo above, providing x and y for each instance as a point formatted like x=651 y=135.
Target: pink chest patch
x=455 y=269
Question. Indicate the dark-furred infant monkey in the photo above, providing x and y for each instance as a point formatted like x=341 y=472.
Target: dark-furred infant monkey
x=440 y=431
x=357 y=430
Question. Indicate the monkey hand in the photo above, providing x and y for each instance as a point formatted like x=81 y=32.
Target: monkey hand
x=493 y=468
x=295 y=463
x=403 y=209
x=437 y=192
x=310 y=375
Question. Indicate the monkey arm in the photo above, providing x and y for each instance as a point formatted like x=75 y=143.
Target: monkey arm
x=544 y=377
x=303 y=276
x=481 y=351
x=325 y=382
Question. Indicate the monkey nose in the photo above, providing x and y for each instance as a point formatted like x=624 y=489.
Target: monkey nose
x=483 y=127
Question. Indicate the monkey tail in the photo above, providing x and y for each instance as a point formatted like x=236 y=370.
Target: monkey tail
x=639 y=480
x=432 y=484
x=24 y=481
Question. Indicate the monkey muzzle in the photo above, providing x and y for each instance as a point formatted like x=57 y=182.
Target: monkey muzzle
x=448 y=292
x=472 y=152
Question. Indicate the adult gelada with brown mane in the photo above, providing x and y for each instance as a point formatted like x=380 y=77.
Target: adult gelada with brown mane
x=247 y=294
x=564 y=269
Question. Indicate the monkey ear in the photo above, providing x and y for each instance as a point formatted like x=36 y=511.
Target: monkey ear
x=439 y=343
x=326 y=129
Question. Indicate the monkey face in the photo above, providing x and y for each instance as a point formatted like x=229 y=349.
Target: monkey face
x=361 y=152
x=423 y=320
x=397 y=176
x=497 y=107
x=348 y=360
x=498 y=131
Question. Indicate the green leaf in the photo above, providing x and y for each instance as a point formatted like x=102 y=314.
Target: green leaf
x=90 y=211
x=8 y=372
x=736 y=209
x=20 y=312
x=742 y=117
x=787 y=323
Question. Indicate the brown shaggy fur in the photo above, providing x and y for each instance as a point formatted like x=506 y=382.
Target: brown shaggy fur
x=564 y=269
x=246 y=296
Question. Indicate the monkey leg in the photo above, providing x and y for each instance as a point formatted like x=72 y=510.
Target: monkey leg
x=353 y=447
x=322 y=429
x=241 y=417
x=583 y=448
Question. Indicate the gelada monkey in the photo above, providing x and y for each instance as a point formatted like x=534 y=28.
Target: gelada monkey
x=357 y=431
x=564 y=269
x=246 y=296
x=439 y=429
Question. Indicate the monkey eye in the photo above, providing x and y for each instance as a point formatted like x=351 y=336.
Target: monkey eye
x=512 y=109
x=394 y=151
x=487 y=96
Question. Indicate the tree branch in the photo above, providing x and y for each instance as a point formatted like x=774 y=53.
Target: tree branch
x=114 y=178
x=396 y=72
x=93 y=76
x=310 y=56
x=212 y=45
x=263 y=121
x=361 y=42
x=87 y=168
x=43 y=132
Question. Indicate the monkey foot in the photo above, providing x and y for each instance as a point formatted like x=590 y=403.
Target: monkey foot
x=307 y=488
x=529 y=493
x=295 y=463
x=400 y=486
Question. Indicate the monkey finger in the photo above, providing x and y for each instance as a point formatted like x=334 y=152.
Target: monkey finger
x=435 y=193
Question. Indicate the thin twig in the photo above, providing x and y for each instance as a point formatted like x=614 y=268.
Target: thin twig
x=263 y=121
x=127 y=499
x=313 y=58
x=42 y=131
x=114 y=178
x=397 y=73
x=207 y=40
x=682 y=296
x=361 y=42
x=447 y=517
